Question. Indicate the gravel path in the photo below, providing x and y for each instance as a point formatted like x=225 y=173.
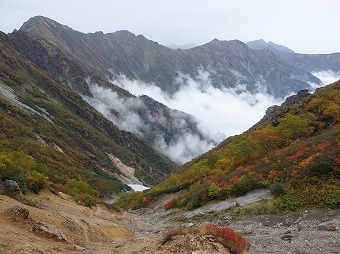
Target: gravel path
x=251 y=197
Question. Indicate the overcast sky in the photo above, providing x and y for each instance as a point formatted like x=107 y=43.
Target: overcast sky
x=305 y=26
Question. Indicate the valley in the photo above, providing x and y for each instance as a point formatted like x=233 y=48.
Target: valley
x=234 y=145
x=101 y=230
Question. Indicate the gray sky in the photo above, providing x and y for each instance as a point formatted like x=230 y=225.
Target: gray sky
x=306 y=26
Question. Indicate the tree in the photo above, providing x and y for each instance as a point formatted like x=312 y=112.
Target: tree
x=294 y=127
x=214 y=191
x=333 y=112
x=267 y=138
x=241 y=148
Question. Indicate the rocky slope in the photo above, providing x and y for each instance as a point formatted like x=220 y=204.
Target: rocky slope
x=66 y=227
x=315 y=63
x=308 y=62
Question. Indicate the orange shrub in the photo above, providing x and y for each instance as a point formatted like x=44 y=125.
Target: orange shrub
x=234 y=242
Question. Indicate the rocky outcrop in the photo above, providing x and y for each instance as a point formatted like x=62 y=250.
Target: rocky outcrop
x=20 y=215
x=10 y=188
x=295 y=98
x=47 y=230
x=271 y=111
x=192 y=243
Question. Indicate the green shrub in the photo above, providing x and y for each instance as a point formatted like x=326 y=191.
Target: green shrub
x=277 y=189
x=321 y=166
x=14 y=174
x=333 y=201
x=38 y=182
x=290 y=202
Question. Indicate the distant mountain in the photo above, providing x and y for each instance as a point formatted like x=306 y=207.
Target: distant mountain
x=314 y=63
x=47 y=130
x=308 y=62
x=70 y=56
x=184 y=46
x=275 y=48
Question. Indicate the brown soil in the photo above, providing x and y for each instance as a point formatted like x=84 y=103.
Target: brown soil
x=84 y=227
x=100 y=230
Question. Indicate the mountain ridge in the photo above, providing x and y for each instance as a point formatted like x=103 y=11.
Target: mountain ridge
x=275 y=48
x=158 y=64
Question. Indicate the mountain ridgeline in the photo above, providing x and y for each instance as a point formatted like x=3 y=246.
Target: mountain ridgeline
x=62 y=51
x=308 y=62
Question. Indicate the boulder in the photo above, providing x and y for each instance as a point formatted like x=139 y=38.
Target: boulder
x=18 y=213
x=11 y=188
x=48 y=231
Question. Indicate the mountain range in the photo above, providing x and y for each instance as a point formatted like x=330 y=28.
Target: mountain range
x=54 y=80
x=229 y=63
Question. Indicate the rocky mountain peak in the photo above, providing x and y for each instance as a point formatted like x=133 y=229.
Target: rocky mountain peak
x=41 y=24
x=275 y=48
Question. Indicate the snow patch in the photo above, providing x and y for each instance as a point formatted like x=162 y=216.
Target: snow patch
x=138 y=187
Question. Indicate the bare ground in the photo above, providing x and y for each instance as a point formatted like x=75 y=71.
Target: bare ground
x=99 y=230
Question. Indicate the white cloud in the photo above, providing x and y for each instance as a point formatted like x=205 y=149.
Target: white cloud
x=327 y=77
x=125 y=115
x=220 y=112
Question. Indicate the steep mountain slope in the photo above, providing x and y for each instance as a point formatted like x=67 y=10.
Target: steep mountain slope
x=294 y=151
x=49 y=131
x=85 y=63
x=315 y=63
x=308 y=62
x=229 y=63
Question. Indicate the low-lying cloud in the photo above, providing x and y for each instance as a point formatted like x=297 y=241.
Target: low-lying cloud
x=173 y=134
x=219 y=112
x=326 y=77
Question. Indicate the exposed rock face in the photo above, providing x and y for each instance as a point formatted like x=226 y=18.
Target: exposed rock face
x=10 y=188
x=314 y=63
x=275 y=48
x=18 y=213
x=270 y=112
x=48 y=231
x=295 y=98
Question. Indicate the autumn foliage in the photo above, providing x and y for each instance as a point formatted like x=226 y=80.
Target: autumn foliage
x=234 y=242
x=283 y=153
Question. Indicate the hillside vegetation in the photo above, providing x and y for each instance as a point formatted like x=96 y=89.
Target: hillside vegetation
x=294 y=151
x=50 y=136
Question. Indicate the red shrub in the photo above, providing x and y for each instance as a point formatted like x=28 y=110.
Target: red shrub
x=336 y=160
x=233 y=241
x=322 y=145
x=295 y=156
x=169 y=205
